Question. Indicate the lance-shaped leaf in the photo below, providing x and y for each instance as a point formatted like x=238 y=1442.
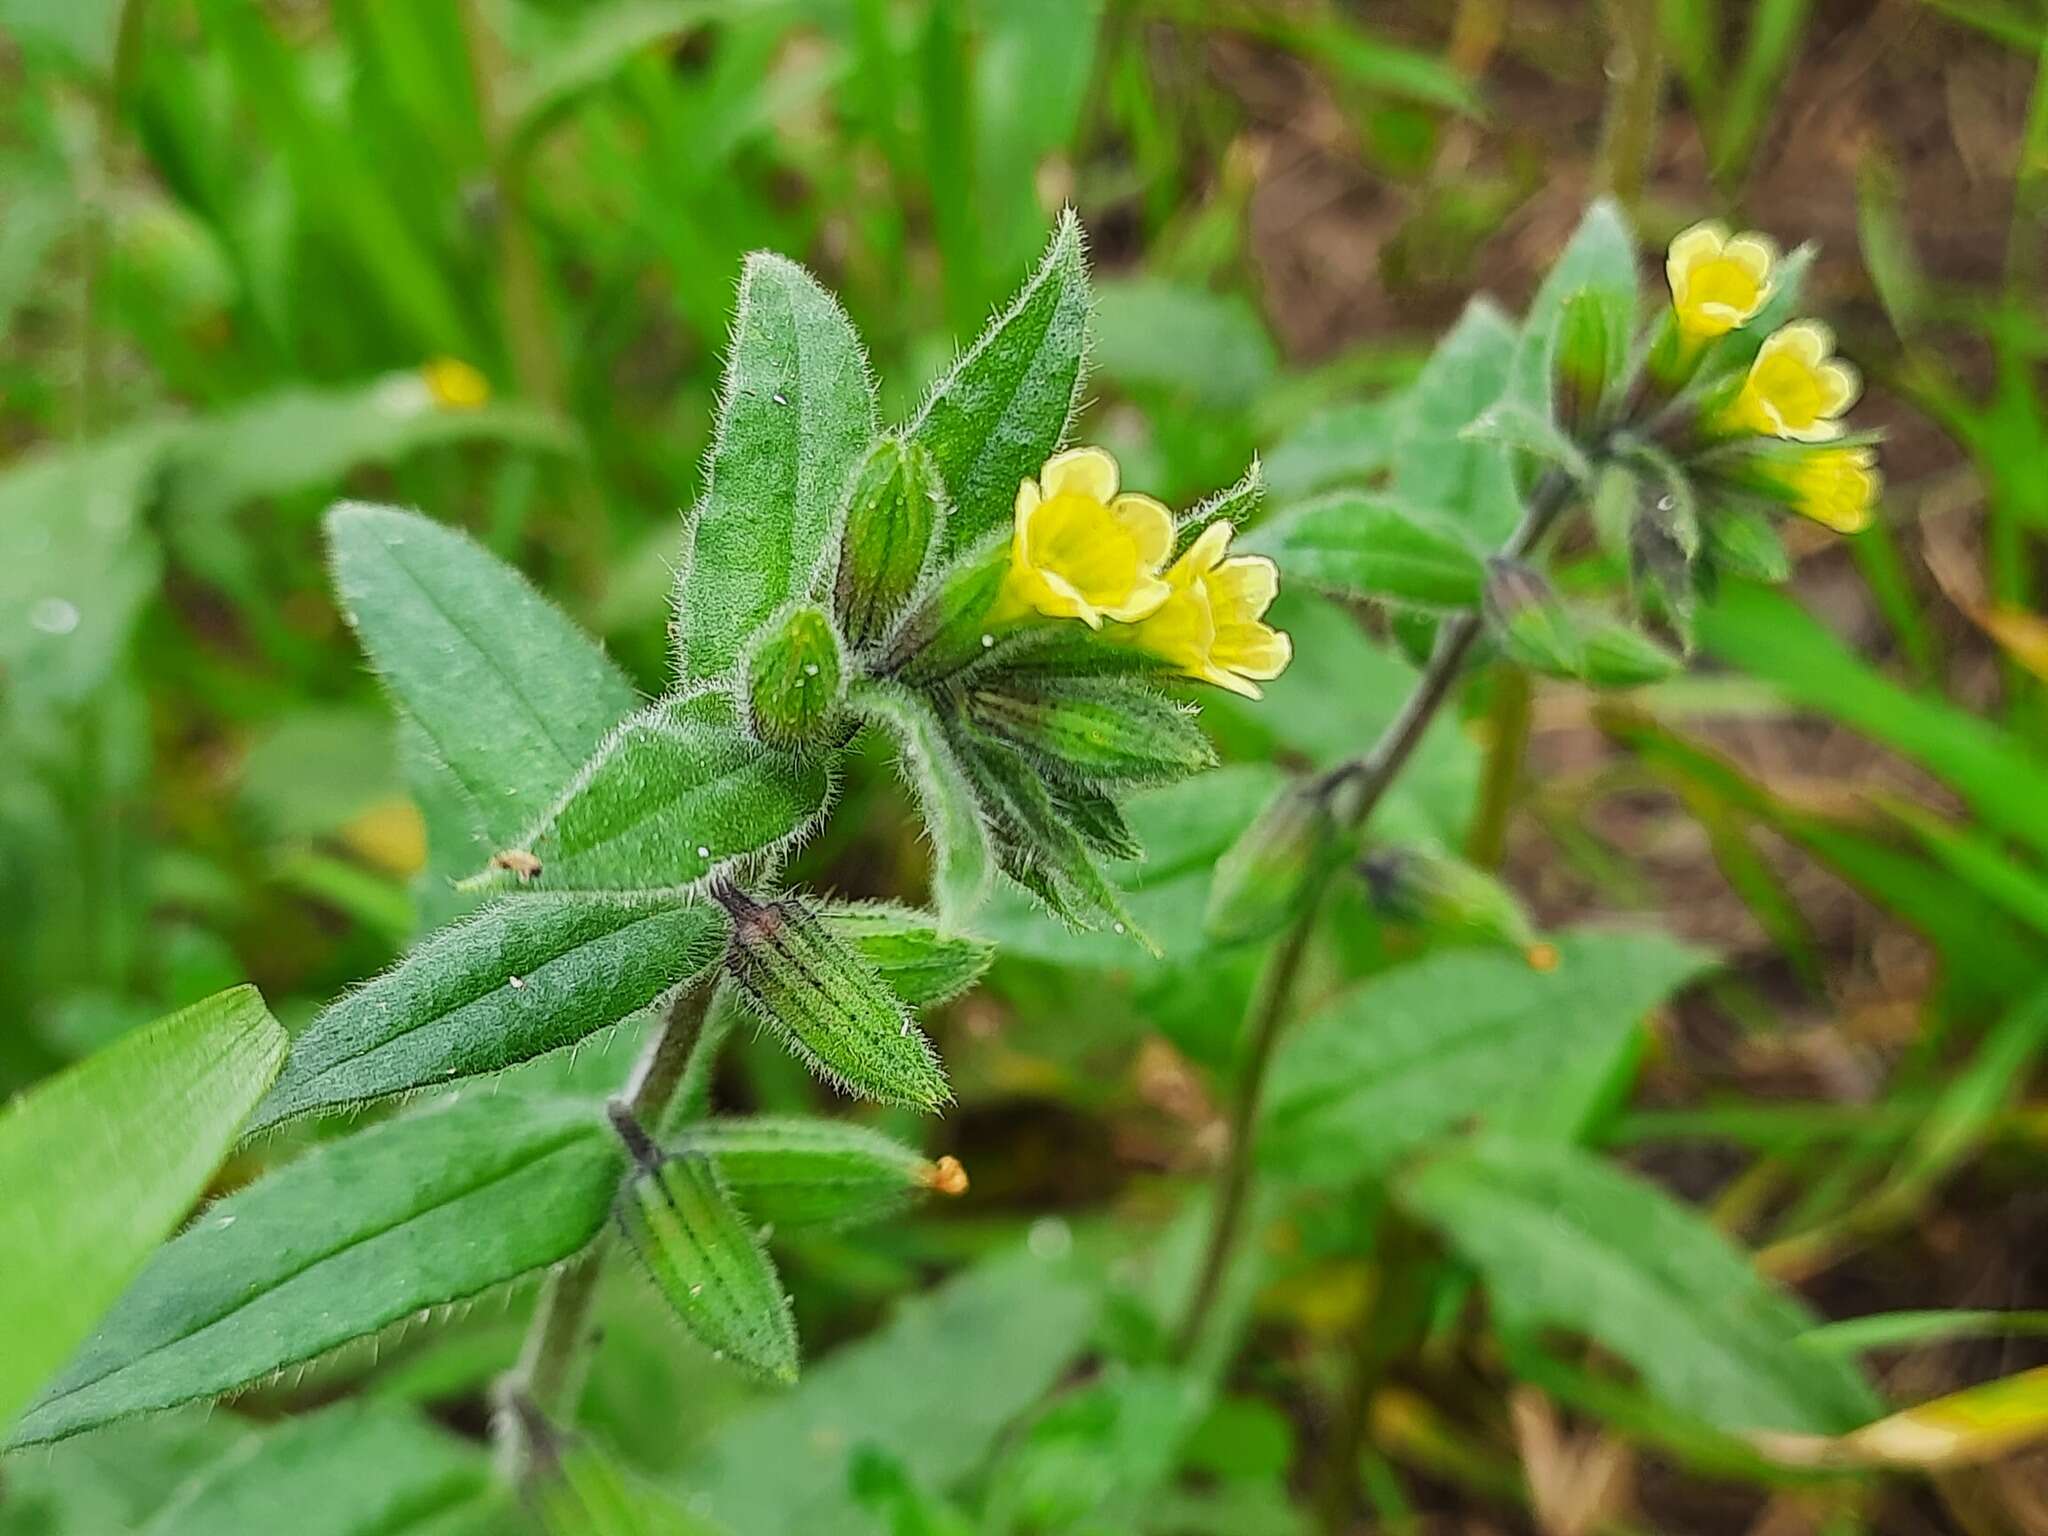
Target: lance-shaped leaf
x=1002 y=409
x=511 y=696
x=355 y=1469
x=1126 y=734
x=413 y=1214
x=521 y=978
x=806 y=1173
x=101 y=1162
x=1460 y=1032
x=706 y=1258
x=832 y=1007
x=963 y=859
x=921 y=965
x=679 y=795
x=796 y=413
x=1564 y=1240
x=1358 y=544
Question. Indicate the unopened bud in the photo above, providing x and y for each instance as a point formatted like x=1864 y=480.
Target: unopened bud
x=1582 y=364
x=1618 y=655
x=1533 y=628
x=809 y=1172
x=796 y=678
x=949 y=629
x=832 y=1008
x=891 y=514
x=706 y=1259
x=1447 y=896
x=1122 y=734
x=1271 y=871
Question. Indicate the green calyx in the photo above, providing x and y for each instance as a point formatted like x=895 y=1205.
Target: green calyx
x=892 y=512
x=796 y=679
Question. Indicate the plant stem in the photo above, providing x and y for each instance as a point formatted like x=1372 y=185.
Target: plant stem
x=1635 y=73
x=1373 y=774
x=548 y=1380
x=1507 y=744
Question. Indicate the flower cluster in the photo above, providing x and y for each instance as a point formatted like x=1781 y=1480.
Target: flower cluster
x=1082 y=549
x=1775 y=429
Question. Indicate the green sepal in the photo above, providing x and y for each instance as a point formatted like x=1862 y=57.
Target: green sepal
x=796 y=679
x=1096 y=817
x=1532 y=628
x=1122 y=734
x=922 y=965
x=1584 y=360
x=949 y=630
x=829 y=1004
x=1618 y=655
x=800 y=1172
x=705 y=1257
x=1268 y=875
x=1744 y=543
x=893 y=509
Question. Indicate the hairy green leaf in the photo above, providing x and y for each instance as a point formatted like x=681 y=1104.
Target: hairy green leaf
x=417 y=1213
x=707 y=1259
x=963 y=858
x=510 y=695
x=792 y=1172
x=797 y=411
x=1002 y=409
x=1358 y=544
x=101 y=1162
x=351 y=1470
x=1436 y=468
x=679 y=795
x=1599 y=261
x=1457 y=1033
x=1566 y=1241
x=521 y=978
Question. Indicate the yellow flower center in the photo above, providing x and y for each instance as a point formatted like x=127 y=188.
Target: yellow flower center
x=1082 y=551
x=1795 y=388
x=1717 y=283
x=1212 y=626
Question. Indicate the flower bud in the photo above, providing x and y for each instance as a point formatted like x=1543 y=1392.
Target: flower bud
x=891 y=514
x=832 y=1007
x=1531 y=625
x=951 y=628
x=1123 y=734
x=1582 y=365
x=808 y=1172
x=1618 y=655
x=1447 y=896
x=1273 y=868
x=796 y=678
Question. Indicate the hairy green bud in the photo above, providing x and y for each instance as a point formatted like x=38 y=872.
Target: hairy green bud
x=796 y=679
x=920 y=964
x=1582 y=364
x=1533 y=628
x=808 y=1173
x=891 y=515
x=1270 y=872
x=1125 y=734
x=831 y=1006
x=1445 y=895
x=949 y=629
x=704 y=1256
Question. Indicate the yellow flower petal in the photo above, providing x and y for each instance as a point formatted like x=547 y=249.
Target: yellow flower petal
x=1794 y=388
x=1088 y=472
x=1836 y=487
x=1210 y=628
x=1247 y=584
x=1717 y=283
x=1149 y=524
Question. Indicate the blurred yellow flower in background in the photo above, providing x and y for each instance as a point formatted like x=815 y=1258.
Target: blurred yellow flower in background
x=1212 y=627
x=1717 y=282
x=1796 y=388
x=1835 y=486
x=1082 y=551
x=455 y=385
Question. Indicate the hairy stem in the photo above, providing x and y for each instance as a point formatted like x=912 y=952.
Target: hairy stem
x=1507 y=742
x=548 y=1380
x=1635 y=75
x=1357 y=785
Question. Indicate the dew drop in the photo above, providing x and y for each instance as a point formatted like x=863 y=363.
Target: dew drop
x=703 y=852
x=1116 y=927
x=1666 y=503
x=987 y=641
x=225 y=1221
x=780 y=398
x=697 y=1289
x=810 y=669
x=54 y=616
x=518 y=983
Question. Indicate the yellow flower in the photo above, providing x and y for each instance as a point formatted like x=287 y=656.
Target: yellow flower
x=1717 y=283
x=1795 y=388
x=454 y=385
x=1080 y=550
x=1835 y=486
x=1212 y=626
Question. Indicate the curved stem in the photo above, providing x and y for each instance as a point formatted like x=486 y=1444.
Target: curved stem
x=548 y=1380
x=1373 y=774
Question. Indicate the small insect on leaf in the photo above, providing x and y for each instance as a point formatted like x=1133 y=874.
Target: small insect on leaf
x=704 y=1256
x=519 y=862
